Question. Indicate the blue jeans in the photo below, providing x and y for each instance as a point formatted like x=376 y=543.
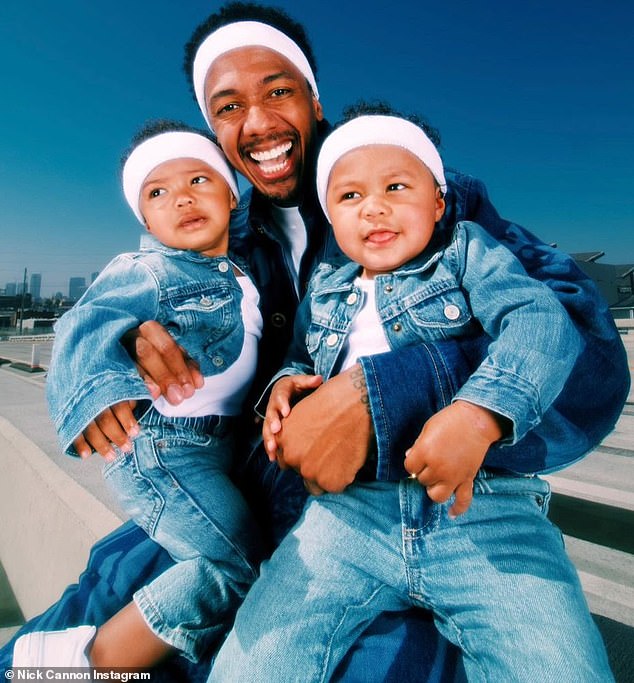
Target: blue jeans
x=497 y=580
x=175 y=485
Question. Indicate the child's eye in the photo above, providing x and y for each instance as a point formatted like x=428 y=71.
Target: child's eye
x=199 y=179
x=350 y=195
x=393 y=187
x=157 y=192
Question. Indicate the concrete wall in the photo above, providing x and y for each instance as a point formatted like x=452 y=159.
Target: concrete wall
x=54 y=522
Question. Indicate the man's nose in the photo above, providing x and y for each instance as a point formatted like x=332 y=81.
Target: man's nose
x=258 y=121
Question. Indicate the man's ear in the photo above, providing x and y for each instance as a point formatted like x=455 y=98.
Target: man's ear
x=318 y=109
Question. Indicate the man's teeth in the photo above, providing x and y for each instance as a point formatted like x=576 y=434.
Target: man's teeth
x=269 y=154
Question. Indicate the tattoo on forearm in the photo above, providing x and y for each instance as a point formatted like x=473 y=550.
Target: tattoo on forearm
x=358 y=382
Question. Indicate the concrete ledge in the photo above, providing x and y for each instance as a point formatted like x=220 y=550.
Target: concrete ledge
x=53 y=522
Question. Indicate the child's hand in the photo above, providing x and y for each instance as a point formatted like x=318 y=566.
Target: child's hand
x=449 y=451
x=284 y=391
x=115 y=425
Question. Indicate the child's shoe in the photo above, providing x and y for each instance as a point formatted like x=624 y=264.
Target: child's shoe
x=54 y=648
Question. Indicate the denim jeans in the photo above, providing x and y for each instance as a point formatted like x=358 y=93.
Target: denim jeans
x=175 y=485
x=497 y=580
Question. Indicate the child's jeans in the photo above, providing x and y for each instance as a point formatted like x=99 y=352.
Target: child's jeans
x=175 y=485
x=497 y=579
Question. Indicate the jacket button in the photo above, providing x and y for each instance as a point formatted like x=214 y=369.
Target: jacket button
x=278 y=320
x=218 y=361
x=397 y=327
x=352 y=298
x=205 y=302
x=332 y=339
x=388 y=288
x=452 y=312
x=223 y=266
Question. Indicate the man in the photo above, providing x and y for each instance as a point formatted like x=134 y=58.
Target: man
x=269 y=121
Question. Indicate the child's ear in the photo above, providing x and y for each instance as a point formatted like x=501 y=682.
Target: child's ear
x=440 y=206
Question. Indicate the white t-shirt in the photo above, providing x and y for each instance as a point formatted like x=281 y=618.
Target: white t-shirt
x=366 y=336
x=224 y=393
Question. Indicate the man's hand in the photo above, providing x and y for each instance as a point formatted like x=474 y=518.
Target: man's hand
x=115 y=425
x=327 y=435
x=165 y=367
x=284 y=392
x=449 y=451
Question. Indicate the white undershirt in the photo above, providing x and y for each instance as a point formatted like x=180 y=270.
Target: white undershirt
x=224 y=393
x=291 y=229
x=366 y=336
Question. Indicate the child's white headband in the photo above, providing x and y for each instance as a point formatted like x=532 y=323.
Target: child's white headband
x=165 y=147
x=376 y=130
x=245 y=34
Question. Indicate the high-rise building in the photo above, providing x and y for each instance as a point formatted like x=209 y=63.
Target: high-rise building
x=35 y=286
x=11 y=289
x=76 y=287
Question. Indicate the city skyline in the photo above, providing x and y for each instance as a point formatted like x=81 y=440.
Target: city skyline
x=537 y=100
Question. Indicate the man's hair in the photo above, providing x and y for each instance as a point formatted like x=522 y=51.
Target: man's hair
x=158 y=126
x=382 y=108
x=233 y=12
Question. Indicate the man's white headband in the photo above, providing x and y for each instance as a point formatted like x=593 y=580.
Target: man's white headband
x=165 y=147
x=376 y=130
x=245 y=34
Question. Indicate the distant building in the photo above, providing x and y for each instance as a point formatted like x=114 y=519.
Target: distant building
x=76 y=287
x=93 y=276
x=35 y=286
x=616 y=282
x=11 y=289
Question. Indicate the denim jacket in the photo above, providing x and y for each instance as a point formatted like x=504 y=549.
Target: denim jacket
x=469 y=285
x=197 y=298
x=407 y=386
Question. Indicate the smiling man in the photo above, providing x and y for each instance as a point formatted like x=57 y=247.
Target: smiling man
x=256 y=86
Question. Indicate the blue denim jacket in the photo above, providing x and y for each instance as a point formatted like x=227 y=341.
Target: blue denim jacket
x=197 y=298
x=406 y=387
x=469 y=285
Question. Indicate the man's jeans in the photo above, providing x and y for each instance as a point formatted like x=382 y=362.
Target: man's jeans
x=497 y=579
x=175 y=485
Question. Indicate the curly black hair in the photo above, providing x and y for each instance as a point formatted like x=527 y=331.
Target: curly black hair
x=233 y=12
x=382 y=108
x=158 y=126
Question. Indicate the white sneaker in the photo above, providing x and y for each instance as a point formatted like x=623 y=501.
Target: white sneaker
x=54 y=648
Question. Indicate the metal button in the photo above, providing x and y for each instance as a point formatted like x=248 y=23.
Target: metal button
x=223 y=266
x=278 y=320
x=388 y=288
x=332 y=339
x=352 y=298
x=397 y=327
x=218 y=361
x=206 y=302
x=452 y=312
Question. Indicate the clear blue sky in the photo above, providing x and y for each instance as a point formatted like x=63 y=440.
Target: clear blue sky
x=535 y=98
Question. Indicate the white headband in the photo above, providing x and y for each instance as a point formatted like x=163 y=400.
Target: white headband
x=376 y=130
x=165 y=147
x=245 y=34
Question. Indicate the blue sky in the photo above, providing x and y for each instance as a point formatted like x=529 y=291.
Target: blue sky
x=535 y=98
